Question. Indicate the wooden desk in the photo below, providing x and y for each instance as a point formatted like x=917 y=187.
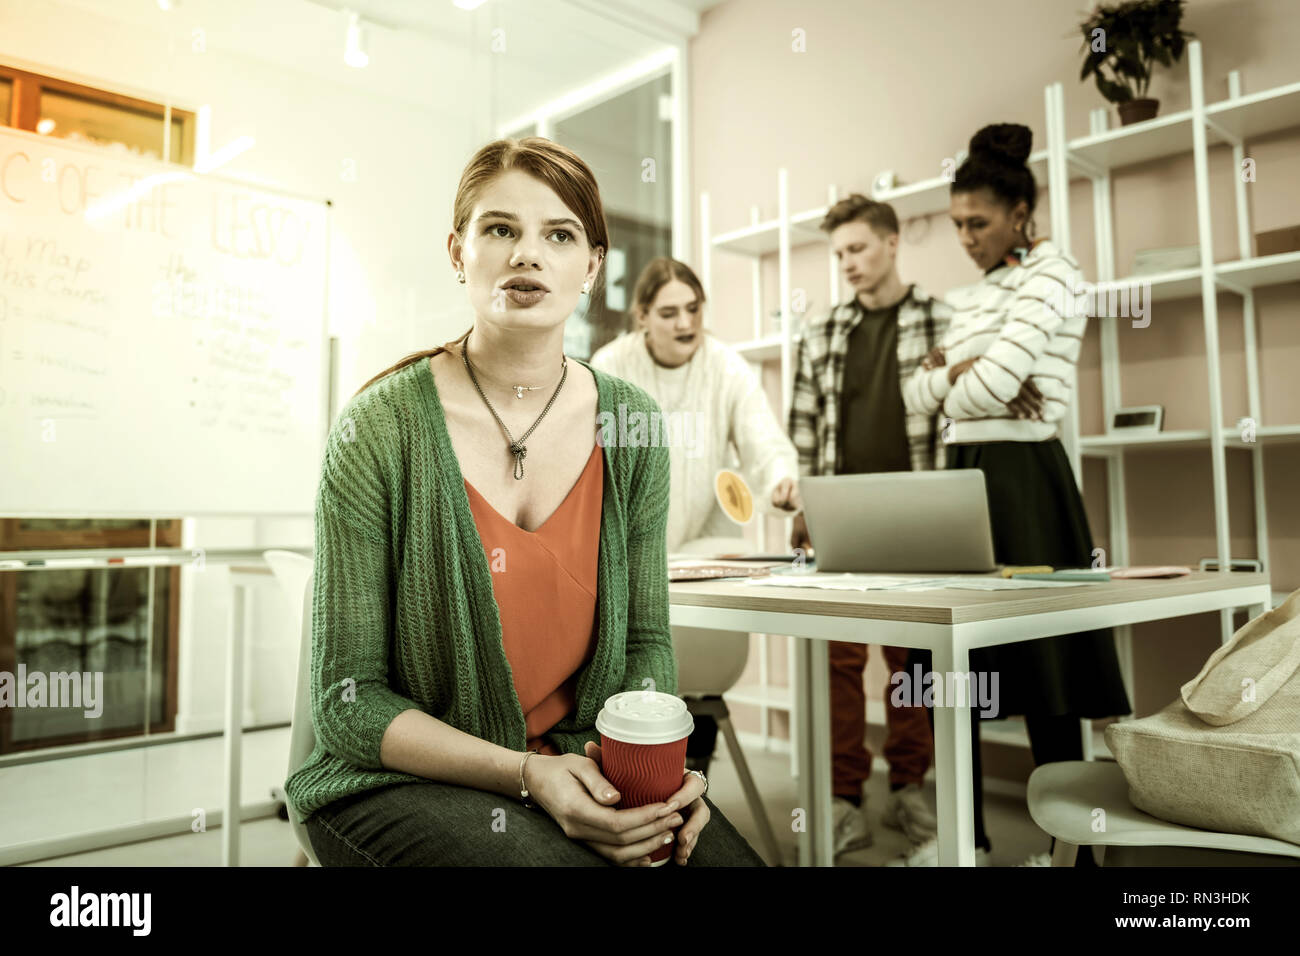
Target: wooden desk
x=949 y=623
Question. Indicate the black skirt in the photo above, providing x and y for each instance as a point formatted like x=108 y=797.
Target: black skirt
x=1038 y=517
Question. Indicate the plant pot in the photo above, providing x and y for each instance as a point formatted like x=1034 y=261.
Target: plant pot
x=1135 y=111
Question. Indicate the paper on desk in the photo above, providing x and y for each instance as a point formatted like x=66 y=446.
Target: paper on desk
x=840 y=582
x=881 y=582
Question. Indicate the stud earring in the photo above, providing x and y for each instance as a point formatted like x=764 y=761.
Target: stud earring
x=460 y=276
x=586 y=287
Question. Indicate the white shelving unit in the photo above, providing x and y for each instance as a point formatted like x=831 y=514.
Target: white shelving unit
x=1229 y=122
x=1088 y=159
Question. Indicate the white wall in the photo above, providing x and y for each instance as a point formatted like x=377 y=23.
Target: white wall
x=391 y=287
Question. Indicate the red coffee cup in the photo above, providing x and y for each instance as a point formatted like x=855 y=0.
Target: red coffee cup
x=643 y=750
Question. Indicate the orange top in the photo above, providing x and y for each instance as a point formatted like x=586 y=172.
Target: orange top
x=544 y=582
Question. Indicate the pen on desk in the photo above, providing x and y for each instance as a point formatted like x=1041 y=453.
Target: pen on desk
x=1082 y=574
x=1034 y=569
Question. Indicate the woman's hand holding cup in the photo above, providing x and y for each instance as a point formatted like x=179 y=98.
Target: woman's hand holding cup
x=572 y=790
x=696 y=811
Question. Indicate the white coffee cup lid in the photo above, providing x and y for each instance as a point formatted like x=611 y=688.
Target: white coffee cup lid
x=645 y=717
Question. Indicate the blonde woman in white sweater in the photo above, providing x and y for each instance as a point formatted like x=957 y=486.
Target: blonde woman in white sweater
x=718 y=416
x=1002 y=379
x=717 y=412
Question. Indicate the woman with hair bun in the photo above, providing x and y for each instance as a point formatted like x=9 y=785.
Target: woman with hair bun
x=1004 y=377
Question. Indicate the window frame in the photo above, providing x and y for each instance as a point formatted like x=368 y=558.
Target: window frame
x=25 y=105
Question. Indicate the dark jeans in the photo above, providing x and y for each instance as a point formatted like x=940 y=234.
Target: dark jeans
x=440 y=824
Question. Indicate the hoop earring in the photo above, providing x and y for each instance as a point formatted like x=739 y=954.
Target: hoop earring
x=460 y=276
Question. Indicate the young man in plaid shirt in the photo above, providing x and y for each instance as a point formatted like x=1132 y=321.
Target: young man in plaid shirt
x=847 y=417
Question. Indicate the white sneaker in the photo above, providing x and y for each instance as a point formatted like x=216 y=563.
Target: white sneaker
x=851 y=832
x=927 y=854
x=907 y=810
x=1038 y=859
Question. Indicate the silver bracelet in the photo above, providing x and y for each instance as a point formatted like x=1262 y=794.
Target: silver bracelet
x=523 y=791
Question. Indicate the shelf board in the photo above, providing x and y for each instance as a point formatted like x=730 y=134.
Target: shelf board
x=1186 y=283
x=765 y=349
x=1137 y=142
x=931 y=196
x=1174 y=284
x=1258 y=114
x=1255 y=115
x=764 y=238
x=1261 y=270
x=805 y=224
x=1110 y=444
x=1264 y=435
x=752 y=240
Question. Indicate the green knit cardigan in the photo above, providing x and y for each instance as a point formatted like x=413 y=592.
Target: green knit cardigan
x=403 y=612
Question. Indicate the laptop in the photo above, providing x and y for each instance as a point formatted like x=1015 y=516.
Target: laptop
x=899 y=521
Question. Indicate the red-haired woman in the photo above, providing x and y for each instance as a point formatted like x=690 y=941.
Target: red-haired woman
x=488 y=573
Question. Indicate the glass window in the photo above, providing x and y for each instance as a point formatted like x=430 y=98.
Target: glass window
x=627 y=142
x=107 y=124
x=92 y=625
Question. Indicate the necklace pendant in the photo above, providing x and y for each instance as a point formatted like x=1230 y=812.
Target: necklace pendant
x=519 y=391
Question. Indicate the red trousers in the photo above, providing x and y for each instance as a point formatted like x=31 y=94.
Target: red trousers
x=909 y=745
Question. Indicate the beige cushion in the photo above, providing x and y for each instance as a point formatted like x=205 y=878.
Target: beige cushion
x=1226 y=755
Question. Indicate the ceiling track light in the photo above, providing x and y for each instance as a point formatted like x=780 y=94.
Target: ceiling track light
x=354 y=47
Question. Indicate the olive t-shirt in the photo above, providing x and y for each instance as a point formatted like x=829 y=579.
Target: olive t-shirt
x=873 y=423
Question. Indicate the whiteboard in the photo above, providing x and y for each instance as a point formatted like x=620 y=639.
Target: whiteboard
x=161 y=338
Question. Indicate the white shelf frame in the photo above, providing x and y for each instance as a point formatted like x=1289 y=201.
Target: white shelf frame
x=1229 y=122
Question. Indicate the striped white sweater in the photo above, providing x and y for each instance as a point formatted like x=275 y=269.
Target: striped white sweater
x=1019 y=322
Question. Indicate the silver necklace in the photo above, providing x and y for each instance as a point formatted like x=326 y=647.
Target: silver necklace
x=517 y=448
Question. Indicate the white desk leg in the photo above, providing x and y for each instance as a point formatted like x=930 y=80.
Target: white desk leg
x=234 y=730
x=800 y=740
x=822 y=784
x=952 y=762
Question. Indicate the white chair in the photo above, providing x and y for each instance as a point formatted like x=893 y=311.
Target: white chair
x=709 y=662
x=1064 y=798
x=294 y=572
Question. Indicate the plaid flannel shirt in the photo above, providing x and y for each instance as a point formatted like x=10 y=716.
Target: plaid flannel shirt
x=819 y=377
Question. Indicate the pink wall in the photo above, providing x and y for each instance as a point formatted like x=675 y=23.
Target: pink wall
x=903 y=86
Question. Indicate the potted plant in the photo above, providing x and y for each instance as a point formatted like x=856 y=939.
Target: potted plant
x=1128 y=39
